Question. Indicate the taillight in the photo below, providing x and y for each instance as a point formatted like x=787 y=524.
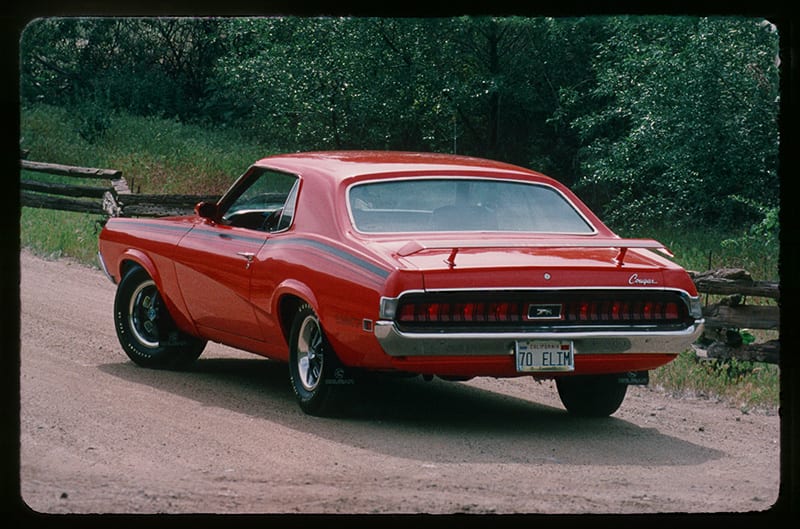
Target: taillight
x=541 y=309
x=426 y=312
x=671 y=311
x=623 y=311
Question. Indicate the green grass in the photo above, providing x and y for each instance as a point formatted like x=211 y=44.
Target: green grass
x=747 y=385
x=154 y=155
x=163 y=156
x=55 y=234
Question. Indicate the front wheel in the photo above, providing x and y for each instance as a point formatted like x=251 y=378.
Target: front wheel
x=591 y=395
x=314 y=370
x=145 y=329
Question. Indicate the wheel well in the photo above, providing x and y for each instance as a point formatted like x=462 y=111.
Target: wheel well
x=287 y=308
x=126 y=266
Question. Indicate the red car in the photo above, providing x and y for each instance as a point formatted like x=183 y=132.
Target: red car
x=344 y=263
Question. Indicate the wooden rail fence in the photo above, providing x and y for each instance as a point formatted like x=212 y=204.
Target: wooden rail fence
x=114 y=199
x=726 y=317
x=723 y=318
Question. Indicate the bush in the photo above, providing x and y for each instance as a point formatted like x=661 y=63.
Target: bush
x=93 y=120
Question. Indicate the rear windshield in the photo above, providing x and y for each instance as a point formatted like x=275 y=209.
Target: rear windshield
x=462 y=204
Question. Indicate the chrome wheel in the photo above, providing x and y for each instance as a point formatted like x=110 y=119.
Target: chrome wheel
x=145 y=328
x=143 y=313
x=310 y=357
x=318 y=379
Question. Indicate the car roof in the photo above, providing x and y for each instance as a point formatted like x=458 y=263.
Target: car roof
x=340 y=165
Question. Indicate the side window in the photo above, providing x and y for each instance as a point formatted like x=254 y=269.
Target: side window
x=260 y=201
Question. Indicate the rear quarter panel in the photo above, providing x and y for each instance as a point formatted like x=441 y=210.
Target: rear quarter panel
x=149 y=243
x=342 y=285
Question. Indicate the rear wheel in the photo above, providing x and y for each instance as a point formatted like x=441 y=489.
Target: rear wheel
x=314 y=370
x=145 y=329
x=591 y=395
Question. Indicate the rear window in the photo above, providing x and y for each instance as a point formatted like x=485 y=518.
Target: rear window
x=462 y=204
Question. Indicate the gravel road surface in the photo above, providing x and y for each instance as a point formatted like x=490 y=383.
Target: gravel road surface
x=101 y=435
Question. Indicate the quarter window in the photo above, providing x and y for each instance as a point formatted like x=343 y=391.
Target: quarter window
x=287 y=214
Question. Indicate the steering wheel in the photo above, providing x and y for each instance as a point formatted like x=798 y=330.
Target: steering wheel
x=271 y=220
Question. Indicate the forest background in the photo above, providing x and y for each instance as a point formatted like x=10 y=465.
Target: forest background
x=657 y=122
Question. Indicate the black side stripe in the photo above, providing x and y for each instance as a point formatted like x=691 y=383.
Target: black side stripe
x=302 y=241
x=194 y=229
x=203 y=232
x=350 y=258
x=153 y=225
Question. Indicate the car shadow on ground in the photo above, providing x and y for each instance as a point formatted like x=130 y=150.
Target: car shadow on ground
x=437 y=421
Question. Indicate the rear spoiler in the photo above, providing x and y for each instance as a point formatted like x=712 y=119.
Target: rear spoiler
x=414 y=247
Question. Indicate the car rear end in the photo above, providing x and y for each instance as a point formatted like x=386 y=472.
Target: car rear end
x=566 y=312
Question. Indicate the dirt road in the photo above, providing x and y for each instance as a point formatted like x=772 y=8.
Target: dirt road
x=99 y=434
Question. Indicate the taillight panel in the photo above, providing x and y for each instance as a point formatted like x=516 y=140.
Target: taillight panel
x=542 y=309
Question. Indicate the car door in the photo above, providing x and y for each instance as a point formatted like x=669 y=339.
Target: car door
x=214 y=260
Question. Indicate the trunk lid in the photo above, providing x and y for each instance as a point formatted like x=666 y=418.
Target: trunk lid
x=533 y=263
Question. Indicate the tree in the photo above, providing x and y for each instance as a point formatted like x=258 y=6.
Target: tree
x=682 y=121
x=332 y=82
x=144 y=66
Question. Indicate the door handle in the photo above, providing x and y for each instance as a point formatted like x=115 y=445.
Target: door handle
x=249 y=256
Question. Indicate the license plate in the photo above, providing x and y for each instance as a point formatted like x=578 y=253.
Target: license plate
x=544 y=355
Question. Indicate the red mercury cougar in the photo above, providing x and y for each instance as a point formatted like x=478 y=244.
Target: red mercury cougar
x=346 y=263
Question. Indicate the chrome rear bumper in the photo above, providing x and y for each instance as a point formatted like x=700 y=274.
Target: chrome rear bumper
x=397 y=343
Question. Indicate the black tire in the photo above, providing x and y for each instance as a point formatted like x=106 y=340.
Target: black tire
x=145 y=329
x=315 y=372
x=591 y=395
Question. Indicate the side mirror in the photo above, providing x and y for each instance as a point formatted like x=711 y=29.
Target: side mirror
x=206 y=210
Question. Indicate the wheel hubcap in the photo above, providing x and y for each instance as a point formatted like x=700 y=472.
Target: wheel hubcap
x=143 y=313
x=309 y=353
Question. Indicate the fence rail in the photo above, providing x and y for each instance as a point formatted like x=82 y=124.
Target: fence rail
x=70 y=170
x=725 y=317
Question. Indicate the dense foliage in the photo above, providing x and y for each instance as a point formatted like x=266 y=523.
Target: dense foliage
x=653 y=120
